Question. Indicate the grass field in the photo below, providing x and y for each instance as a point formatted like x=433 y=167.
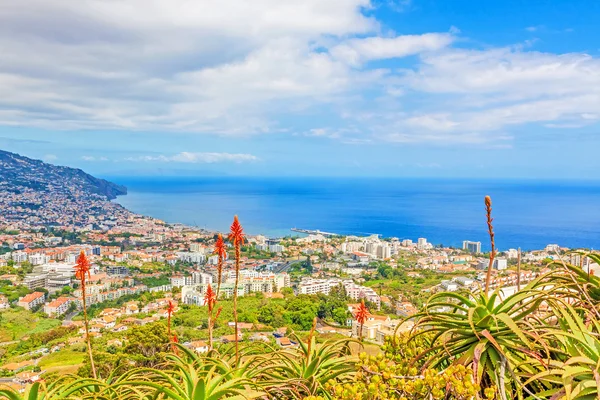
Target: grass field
x=62 y=358
x=16 y=323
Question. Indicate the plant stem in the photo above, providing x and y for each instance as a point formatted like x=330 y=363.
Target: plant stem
x=235 y=314
x=87 y=330
x=488 y=211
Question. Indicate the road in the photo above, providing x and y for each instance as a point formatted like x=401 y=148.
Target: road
x=69 y=317
x=286 y=266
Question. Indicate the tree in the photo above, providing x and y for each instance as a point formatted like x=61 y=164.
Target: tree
x=236 y=236
x=82 y=268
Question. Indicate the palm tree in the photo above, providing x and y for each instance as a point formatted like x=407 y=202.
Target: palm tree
x=236 y=236
x=361 y=317
x=221 y=252
x=210 y=299
x=82 y=268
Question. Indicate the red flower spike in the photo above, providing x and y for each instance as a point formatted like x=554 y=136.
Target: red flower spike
x=210 y=298
x=236 y=232
x=220 y=247
x=82 y=267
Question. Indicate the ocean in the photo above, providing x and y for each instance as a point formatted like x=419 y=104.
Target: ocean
x=527 y=214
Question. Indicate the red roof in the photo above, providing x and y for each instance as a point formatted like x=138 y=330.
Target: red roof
x=31 y=297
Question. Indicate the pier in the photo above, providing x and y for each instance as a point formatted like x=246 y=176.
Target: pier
x=313 y=232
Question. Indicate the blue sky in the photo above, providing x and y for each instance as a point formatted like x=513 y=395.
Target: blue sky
x=415 y=88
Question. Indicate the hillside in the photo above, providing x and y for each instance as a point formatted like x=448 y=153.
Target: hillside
x=18 y=172
x=37 y=194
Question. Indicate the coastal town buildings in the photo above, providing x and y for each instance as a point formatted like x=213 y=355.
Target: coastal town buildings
x=32 y=300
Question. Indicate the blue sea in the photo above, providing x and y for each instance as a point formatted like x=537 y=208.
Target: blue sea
x=527 y=214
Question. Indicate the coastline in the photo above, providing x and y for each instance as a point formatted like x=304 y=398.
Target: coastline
x=444 y=214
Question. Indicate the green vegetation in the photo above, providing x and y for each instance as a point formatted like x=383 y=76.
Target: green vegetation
x=397 y=282
x=13 y=293
x=62 y=358
x=156 y=281
x=18 y=322
x=540 y=343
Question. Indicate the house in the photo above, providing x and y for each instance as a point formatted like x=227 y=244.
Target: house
x=108 y=321
x=370 y=327
x=406 y=309
x=231 y=338
x=260 y=337
x=4 y=302
x=285 y=342
x=120 y=328
x=27 y=377
x=58 y=307
x=131 y=308
x=32 y=300
x=449 y=286
x=199 y=346
x=241 y=325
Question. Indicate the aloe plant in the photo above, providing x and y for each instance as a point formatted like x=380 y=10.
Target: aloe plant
x=309 y=368
x=574 y=370
x=190 y=378
x=492 y=335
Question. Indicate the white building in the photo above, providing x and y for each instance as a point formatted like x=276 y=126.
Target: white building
x=354 y=291
x=195 y=258
x=449 y=286
x=39 y=259
x=512 y=253
x=384 y=251
x=31 y=300
x=422 y=244
x=19 y=256
x=472 y=247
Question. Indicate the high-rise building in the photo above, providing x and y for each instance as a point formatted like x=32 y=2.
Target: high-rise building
x=472 y=247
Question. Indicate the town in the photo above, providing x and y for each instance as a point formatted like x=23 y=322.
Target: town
x=140 y=265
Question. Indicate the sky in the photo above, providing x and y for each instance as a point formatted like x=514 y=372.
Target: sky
x=408 y=88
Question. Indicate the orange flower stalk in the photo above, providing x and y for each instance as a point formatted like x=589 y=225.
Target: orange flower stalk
x=175 y=340
x=361 y=317
x=210 y=299
x=170 y=311
x=488 y=213
x=236 y=236
x=221 y=252
x=82 y=269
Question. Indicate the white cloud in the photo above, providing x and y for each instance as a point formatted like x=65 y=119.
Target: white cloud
x=198 y=158
x=358 y=51
x=232 y=67
x=93 y=158
x=170 y=64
